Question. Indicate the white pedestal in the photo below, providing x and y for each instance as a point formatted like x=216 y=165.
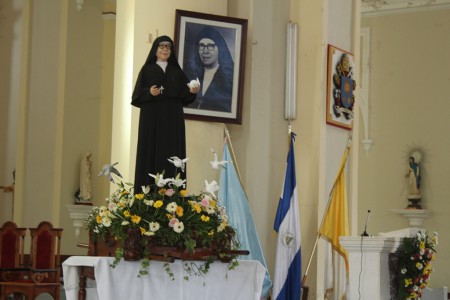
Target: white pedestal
x=368 y=259
x=415 y=216
x=369 y=266
x=78 y=213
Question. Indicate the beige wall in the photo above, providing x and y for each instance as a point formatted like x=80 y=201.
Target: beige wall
x=11 y=17
x=90 y=106
x=58 y=110
x=410 y=75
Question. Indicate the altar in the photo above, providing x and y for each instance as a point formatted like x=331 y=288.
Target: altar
x=122 y=282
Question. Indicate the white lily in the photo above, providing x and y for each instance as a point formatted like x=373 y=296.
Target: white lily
x=177 y=181
x=145 y=189
x=211 y=187
x=159 y=179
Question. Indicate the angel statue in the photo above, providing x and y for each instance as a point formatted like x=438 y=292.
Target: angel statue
x=414 y=181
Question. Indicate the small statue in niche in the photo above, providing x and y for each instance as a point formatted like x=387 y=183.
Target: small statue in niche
x=84 y=193
x=414 y=181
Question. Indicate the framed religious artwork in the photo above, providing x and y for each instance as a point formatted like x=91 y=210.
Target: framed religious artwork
x=340 y=88
x=211 y=49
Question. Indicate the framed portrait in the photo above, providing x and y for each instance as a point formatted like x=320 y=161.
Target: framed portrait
x=211 y=48
x=340 y=88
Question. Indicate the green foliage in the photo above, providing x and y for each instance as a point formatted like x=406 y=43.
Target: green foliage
x=414 y=264
x=165 y=215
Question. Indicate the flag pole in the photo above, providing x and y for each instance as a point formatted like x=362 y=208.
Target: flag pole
x=317 y=239
x=289 y=134
x=349 y=142
x=227 y=136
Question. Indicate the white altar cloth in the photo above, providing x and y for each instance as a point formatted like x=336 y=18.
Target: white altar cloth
x=123 y=283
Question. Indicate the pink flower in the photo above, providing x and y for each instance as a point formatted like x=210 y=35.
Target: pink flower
x=169 y=192
x=205 y=202
x=173 y=222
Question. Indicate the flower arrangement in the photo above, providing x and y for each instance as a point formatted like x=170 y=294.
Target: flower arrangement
x=414 y=264
x=165 y=215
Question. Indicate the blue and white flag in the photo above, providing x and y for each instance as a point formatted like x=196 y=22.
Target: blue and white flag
x=240 y=217
x=288 y=261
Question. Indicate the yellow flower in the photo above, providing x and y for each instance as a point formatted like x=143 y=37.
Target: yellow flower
x=196 y=207
x=124 y=192
x=422 y=245
x=179 y=211
x=212 y=203
x=126 y=214
x=183 y=193
x=135 y=219
x=204 y=218
x=169 y=216
x=221 y=227
x=211 y=233
x=139 y=196
x=162 y=192
x=158 y=204
x=142 y=230
x=98 y=219
x=408 y=281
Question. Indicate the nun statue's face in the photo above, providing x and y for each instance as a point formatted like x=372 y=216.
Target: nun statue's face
x=163 y=52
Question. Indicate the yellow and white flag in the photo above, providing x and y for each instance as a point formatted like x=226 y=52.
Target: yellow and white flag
x=334 y=225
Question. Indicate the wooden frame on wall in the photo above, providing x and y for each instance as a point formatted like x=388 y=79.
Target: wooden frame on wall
x=340 y=88
x=222 y=100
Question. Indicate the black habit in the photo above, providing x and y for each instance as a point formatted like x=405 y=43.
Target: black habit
x=161 y=121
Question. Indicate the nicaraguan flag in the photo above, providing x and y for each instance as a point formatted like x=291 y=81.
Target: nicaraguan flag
x=288 y=261
x=240 y=217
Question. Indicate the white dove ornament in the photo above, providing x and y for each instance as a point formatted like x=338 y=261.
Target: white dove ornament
x=177 y=162
x=216 y=164
x=109 y=169
x=194 y=83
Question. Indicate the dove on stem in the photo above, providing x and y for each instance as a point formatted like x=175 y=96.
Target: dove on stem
x=216 y=164
x=177 y=162
x=109 y=169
